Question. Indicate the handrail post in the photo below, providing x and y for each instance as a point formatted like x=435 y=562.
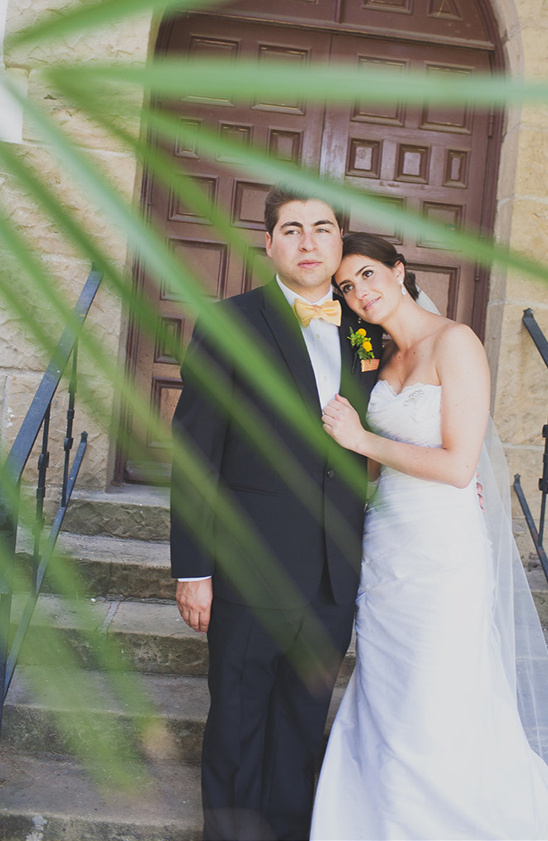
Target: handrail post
x=531 y=524
x=543 y=484
x=43 y=464
x=538 y=337
x=69 y=440
x=8 y=537
x=537 y=536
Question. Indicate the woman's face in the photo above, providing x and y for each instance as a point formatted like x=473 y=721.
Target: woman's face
x=370 y=288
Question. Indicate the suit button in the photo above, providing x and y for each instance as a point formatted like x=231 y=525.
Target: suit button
x=330 y=473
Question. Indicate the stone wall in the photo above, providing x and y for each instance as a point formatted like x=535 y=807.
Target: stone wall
x=21 y=364
x=520 y=400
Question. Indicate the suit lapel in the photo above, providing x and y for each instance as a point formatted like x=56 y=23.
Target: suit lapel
x=355 y=385
x=289 y=339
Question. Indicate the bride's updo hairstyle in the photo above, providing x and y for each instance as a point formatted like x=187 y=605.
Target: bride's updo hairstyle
x=377 y=248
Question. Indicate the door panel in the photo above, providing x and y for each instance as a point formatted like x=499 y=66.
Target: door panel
x=429 y=21
x=425 y=159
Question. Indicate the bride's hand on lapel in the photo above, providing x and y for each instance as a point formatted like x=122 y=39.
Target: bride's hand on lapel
x=342 y=422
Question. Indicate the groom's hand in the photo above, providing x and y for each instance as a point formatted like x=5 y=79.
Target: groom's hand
x=194 y=602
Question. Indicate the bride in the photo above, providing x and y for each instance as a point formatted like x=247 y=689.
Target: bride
x=428 y=742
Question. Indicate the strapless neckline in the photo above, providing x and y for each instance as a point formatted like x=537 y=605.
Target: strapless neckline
x=418 y=384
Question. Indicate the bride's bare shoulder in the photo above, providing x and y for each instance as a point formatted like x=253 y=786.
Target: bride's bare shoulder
x=457 y=341
x=453 y=331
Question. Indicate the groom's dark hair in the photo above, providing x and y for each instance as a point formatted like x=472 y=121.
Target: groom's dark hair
x=280 y=195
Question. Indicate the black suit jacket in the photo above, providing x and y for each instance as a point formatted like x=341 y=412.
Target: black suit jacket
x=254 y=503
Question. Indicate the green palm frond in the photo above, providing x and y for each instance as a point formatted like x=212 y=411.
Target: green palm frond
x=113 y=96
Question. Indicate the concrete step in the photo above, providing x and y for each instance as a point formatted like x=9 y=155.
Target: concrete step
x=49 y=797
x=57 y=800
x=134 y=512
x=147 y=636
x=144 y=635
x=64 y=711
x=103 y=566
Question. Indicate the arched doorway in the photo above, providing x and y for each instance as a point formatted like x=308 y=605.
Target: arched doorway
x=439 y=161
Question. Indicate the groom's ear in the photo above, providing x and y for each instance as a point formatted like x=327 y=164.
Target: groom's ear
x=268 y=241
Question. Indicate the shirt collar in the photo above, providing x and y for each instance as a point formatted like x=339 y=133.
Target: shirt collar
x=291 y=296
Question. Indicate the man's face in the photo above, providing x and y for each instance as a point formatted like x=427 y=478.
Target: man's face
x=306 y=247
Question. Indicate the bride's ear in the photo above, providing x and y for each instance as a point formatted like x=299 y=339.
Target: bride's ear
x=399 y=269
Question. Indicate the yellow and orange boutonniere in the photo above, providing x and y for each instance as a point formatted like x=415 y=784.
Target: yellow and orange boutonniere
x=364 y=349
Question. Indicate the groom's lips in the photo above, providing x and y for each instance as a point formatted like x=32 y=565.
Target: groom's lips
x=309 y=264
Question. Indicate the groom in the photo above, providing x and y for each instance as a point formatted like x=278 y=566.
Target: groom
x=278 y=618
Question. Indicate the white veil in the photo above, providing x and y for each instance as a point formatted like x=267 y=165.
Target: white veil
x=523 y=646
x=522 y=640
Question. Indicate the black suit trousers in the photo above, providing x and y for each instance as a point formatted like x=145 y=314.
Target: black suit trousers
x=271 y=677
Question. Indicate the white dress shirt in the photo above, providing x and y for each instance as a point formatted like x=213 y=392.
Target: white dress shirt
x=323 y=345
x=324 y=349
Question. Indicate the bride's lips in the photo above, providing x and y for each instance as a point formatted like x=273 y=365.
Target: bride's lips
x=370 y=304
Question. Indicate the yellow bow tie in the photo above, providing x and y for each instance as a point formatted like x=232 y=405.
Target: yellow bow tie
x=329 y=311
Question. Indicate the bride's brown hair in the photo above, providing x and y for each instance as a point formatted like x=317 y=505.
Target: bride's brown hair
x=377 y=248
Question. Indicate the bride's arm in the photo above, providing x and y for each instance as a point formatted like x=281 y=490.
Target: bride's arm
x=461 y=365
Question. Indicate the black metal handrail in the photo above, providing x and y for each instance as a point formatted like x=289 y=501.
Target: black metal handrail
x=36 y=419
x=537 y=535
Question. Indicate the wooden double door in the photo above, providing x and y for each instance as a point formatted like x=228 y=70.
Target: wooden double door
x=432 y=159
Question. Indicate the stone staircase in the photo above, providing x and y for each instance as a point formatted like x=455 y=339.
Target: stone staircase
x=118 y=545
x=123 y=591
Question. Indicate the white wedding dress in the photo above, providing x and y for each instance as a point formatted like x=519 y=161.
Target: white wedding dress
x=428 y=742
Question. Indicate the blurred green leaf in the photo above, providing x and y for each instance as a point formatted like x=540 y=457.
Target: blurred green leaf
x=203 y=79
